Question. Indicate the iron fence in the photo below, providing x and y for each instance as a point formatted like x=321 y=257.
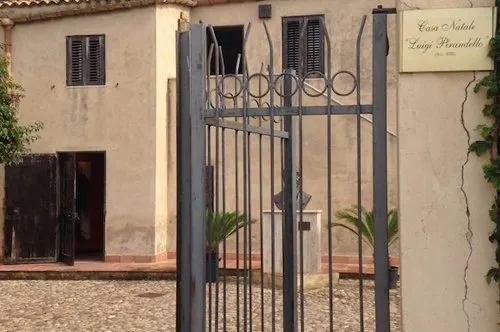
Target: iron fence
x=249 y=130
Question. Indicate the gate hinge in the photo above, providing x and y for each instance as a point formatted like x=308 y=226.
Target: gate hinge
x=381 y=10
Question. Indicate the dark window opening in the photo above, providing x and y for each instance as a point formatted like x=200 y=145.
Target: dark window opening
x=312 y=53
x=230 y=39
x=85 y=60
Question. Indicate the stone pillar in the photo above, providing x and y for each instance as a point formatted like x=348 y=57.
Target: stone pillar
x=443 y=200
x=311 y=236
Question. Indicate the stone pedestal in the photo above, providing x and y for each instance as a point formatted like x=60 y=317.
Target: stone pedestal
x=311 y=230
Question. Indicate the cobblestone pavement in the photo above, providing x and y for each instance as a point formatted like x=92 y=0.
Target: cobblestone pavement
x=124 y=306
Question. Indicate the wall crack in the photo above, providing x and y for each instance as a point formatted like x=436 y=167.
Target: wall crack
x=469 y=234
x=407 y=5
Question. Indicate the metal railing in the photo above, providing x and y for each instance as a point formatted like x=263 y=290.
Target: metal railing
x=364 y=117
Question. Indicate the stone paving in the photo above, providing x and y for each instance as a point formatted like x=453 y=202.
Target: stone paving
x=122 y=306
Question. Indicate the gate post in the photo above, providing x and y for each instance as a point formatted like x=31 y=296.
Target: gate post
x=191 y=53
x=382 y=313
x=289 y=223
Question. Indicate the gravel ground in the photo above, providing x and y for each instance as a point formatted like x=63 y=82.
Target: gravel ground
x=125 y=306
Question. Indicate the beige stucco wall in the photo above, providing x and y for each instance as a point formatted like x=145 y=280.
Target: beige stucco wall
x=166 y=27
x=343 y=21
x=118 y=118
x=445 y=253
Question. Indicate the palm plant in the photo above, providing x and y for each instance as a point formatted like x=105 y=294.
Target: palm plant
x=350 y=222
x=220 y=226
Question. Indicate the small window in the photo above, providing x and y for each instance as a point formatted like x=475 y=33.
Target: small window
x=230 y=39
x=313 y=40
x=85 y=63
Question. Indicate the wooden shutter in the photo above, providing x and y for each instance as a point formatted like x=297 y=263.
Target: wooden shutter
x=85 y=63
x=31 y=216
x=314 y=34
x=291 y=43
x=75 y=48
x=313 y=53
x=95 y=58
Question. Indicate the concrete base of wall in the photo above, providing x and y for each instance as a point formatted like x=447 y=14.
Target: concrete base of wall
x=137 y=259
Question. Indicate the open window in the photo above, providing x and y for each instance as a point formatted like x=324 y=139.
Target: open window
x=230 y=39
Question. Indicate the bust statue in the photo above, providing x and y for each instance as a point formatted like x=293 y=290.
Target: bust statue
x=278 y=198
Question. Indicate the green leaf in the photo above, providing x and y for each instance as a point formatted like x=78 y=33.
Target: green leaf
x=361 y=222
x=14 y=138
x=485 y=131
x=493 y=274
x=486 y=82
x=491 y=110
x=493 y=212
x=220 y=226
x=492 y=173
x=480 y=147
x=494 y=47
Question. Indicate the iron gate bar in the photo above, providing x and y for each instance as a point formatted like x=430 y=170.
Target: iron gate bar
x=302 y=69
x=359 y=187
x=245 y=178
x=224 y=244
x=261 y=216
x=218 y=62
x=382 y=313
x=293 y=110
x=249 y=128
x=191 y=194
x=329 y=181
x=289 y=219
x=271 y=143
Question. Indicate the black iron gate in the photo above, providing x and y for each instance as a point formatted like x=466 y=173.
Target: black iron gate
x=248 y=128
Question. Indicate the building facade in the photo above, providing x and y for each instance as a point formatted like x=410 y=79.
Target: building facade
x=101 y=77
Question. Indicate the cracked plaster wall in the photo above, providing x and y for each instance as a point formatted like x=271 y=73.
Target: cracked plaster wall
x=444 y=201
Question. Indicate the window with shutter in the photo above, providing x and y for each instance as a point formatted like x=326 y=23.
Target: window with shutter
x=312 y=52
x=85 y=60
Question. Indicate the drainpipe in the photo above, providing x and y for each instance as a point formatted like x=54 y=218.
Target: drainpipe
x=7 y=25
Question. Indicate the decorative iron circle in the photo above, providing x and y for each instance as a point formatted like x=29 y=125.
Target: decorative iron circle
x=286 y=95
x=230 y=95
x=318 y=74
x=262 y=94
x=354 y=81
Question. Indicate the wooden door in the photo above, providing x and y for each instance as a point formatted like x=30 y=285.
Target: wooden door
x=67 y=171
x=31 y=210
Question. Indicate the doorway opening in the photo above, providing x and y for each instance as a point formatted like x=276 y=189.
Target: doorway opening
x=90 y=205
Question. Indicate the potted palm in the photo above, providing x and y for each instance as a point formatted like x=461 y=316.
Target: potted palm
x=349 y=221
x=219 y=226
